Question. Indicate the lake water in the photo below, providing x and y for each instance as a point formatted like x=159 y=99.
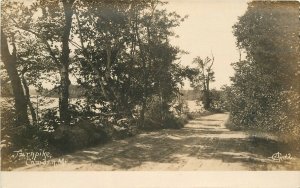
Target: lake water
x=52 y=102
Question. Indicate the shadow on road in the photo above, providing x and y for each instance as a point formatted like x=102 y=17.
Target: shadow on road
x=201 y=142
x=204 y=144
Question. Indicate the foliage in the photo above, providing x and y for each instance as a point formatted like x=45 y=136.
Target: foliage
x=117 y=55
x=15 y=138
x=265 y=90
x=83 y=133
x=160 y=116
x=202 y=78
x=219 y=98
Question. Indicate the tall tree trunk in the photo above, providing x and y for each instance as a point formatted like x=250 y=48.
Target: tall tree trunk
x=144 y=72
x=162 y=103
x=64 y=96
x=10 y=61
x=64 y=59
x=207 y=95
x=27 y=96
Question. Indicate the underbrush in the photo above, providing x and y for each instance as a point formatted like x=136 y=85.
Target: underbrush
x=85 y=130
x=165 y=115
x=281 y=135
x=275 y=114
x=169 y=122
x=19 y=139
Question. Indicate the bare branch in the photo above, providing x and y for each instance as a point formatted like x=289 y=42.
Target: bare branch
x=212 y=61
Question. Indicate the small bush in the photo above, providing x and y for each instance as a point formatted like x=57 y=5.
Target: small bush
x=189 y=116
x=83 y=134
x=49 y=119
x=151 y=125
x=125 y=128
x=173 y=122
x=278 y=115
x=15 y=138
x=163 y=115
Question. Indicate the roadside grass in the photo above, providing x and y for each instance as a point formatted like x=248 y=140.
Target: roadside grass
x=259 y=137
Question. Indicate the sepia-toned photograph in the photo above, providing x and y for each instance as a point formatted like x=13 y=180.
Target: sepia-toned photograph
x=150 y=85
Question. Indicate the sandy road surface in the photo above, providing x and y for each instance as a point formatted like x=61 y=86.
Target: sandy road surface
x=203 y=144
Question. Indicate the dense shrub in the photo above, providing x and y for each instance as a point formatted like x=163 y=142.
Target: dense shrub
x=289 y=116
x=160 y=115
x=264 y=95
x=15 y=138
x=174 y=122
x=125 y=127
x=82 y=134
x=279 y=117
x=49 y=119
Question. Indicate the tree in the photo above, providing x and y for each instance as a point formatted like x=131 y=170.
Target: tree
x=34 y=68
x=124 y=54
x=118 y=52
x=266 y=82
x=10 y=63
x=202 y=79
x=64 y=60
x=269 y=37
x=52 y=27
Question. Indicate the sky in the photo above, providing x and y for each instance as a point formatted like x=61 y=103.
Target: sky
x=209 y=29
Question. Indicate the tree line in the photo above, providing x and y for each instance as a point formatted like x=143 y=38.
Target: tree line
x=117 y=56
x=118 y=53
x=265 y=91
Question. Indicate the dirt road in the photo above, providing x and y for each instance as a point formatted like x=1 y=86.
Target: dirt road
x=203 y=144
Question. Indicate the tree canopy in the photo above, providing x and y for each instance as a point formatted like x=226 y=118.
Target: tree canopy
x=265 y=90
x=116 y=54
